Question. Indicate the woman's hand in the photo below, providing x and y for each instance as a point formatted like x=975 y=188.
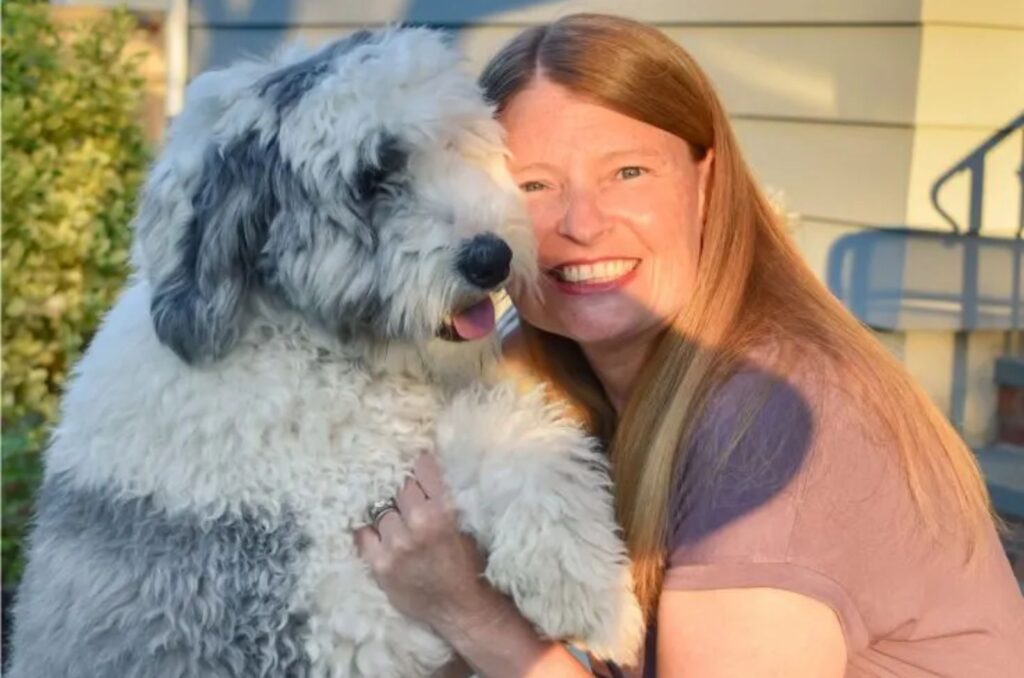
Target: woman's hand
x=430 y=572
x=428 y=568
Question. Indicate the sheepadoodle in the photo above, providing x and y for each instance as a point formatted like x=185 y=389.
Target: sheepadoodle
x=315 y=252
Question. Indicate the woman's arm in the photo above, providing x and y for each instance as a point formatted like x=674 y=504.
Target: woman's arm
x=748 y=632
x=501 y=643
x=430 y=571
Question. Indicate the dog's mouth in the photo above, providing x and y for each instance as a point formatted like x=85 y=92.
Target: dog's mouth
x=472 y=322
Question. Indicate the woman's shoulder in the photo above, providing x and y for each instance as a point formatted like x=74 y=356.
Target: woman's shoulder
x=774 y=390
x=782 y=485
x=794 y=460
x=778 y=390
x=814 y=499
x=780 y=439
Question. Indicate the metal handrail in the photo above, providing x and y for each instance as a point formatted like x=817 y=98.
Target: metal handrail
x=974 y=162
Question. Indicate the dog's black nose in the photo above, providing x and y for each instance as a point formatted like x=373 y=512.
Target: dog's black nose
x=484 y=260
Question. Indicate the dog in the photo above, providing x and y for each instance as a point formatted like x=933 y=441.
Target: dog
x=315 y=253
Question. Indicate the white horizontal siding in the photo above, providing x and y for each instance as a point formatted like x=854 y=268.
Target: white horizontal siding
x=851 y=109
x=819 y=73
x=938 y=149
x=849 y=173
x=970 y=76
x=836 y=73
x=664 y=12
x=1002 y=13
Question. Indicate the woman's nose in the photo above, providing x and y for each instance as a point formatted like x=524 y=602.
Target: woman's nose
x=583 y=221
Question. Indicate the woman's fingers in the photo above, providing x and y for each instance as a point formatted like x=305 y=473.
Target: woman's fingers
x=368 y=544
x=428 y=475
x=424 y=563
x=410 y=495
x=391 y=528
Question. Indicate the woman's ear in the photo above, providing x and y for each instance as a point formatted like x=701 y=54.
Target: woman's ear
x=704 y=167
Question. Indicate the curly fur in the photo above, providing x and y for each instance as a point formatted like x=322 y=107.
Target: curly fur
x=274 y=367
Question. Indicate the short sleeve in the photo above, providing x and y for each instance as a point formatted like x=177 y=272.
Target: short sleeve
x=735 y=527
x=782 y=575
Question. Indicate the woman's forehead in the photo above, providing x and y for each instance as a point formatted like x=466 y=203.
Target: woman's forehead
x=545 y=105
x=546 y=120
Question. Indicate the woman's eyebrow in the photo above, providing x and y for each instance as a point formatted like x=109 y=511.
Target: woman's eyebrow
x=641 y=152
x=533 y=165
x=633 y=152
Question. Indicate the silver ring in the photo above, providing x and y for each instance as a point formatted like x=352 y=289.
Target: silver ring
x=379 y=508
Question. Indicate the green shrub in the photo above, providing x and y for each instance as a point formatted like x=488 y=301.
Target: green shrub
x=73 y=157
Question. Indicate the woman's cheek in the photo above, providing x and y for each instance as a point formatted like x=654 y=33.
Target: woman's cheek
x=543 y=213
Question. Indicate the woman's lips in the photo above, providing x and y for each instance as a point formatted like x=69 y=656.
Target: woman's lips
x=594 y=276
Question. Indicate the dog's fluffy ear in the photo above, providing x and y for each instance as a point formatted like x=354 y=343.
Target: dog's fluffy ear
x=198 y=309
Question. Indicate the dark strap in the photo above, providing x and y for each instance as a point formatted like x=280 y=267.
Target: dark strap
x=607 y=669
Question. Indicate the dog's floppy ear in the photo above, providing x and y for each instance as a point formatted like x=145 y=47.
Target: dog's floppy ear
x=198 y=309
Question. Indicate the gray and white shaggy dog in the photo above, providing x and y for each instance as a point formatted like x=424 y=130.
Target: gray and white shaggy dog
x=315 y=250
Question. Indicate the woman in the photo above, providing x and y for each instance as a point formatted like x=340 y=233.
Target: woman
x=793 y=504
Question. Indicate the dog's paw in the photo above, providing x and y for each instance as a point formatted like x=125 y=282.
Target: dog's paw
x=535 y=492
x=569 y=587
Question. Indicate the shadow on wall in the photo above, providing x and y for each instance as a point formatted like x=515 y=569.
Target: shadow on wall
x=904 y=279
x=226 y=30
x=457 y=14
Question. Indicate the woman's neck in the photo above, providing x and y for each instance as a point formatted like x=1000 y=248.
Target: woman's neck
x=618 y=363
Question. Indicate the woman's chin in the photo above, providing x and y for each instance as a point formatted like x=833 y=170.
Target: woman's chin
x=593 y=321
x=599 y=330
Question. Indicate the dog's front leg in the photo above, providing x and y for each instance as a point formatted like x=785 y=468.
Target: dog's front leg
x=535 y=493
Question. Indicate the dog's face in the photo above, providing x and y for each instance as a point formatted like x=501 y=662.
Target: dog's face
x=363 y=186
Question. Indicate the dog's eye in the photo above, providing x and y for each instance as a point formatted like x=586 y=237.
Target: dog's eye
x=369 y=181
x=386 y=160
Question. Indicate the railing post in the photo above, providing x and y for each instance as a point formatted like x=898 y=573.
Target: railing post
x=977 y=170
x=974 y=163
x=1020 y=180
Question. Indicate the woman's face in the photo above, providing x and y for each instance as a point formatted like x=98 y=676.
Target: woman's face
x=617 y=208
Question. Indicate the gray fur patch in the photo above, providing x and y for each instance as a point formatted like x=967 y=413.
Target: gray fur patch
x=197 y=311
x=117 y=587
x=381 y=159
x=288 y=85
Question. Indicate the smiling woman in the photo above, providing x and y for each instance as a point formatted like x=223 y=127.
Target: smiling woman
x=598 y=186
x=792 y=502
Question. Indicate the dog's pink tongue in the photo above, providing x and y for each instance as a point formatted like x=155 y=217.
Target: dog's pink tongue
x=476 y=321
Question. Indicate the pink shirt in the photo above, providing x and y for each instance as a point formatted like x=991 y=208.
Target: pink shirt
x=813 y=501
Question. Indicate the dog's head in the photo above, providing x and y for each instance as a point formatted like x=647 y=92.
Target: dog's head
x=363 y=186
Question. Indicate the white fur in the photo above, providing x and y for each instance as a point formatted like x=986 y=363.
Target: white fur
x=294 y=419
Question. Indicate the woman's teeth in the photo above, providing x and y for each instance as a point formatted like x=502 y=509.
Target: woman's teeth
x=602 y=271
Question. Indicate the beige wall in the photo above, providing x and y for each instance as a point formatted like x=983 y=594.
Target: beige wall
x=850 y=109
x=931 y=356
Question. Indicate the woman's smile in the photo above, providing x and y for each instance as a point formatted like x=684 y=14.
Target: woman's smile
x=615 y=204
x=595 y=276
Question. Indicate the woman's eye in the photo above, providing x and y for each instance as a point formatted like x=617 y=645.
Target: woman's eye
x=631 y=172
x=531 y=186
